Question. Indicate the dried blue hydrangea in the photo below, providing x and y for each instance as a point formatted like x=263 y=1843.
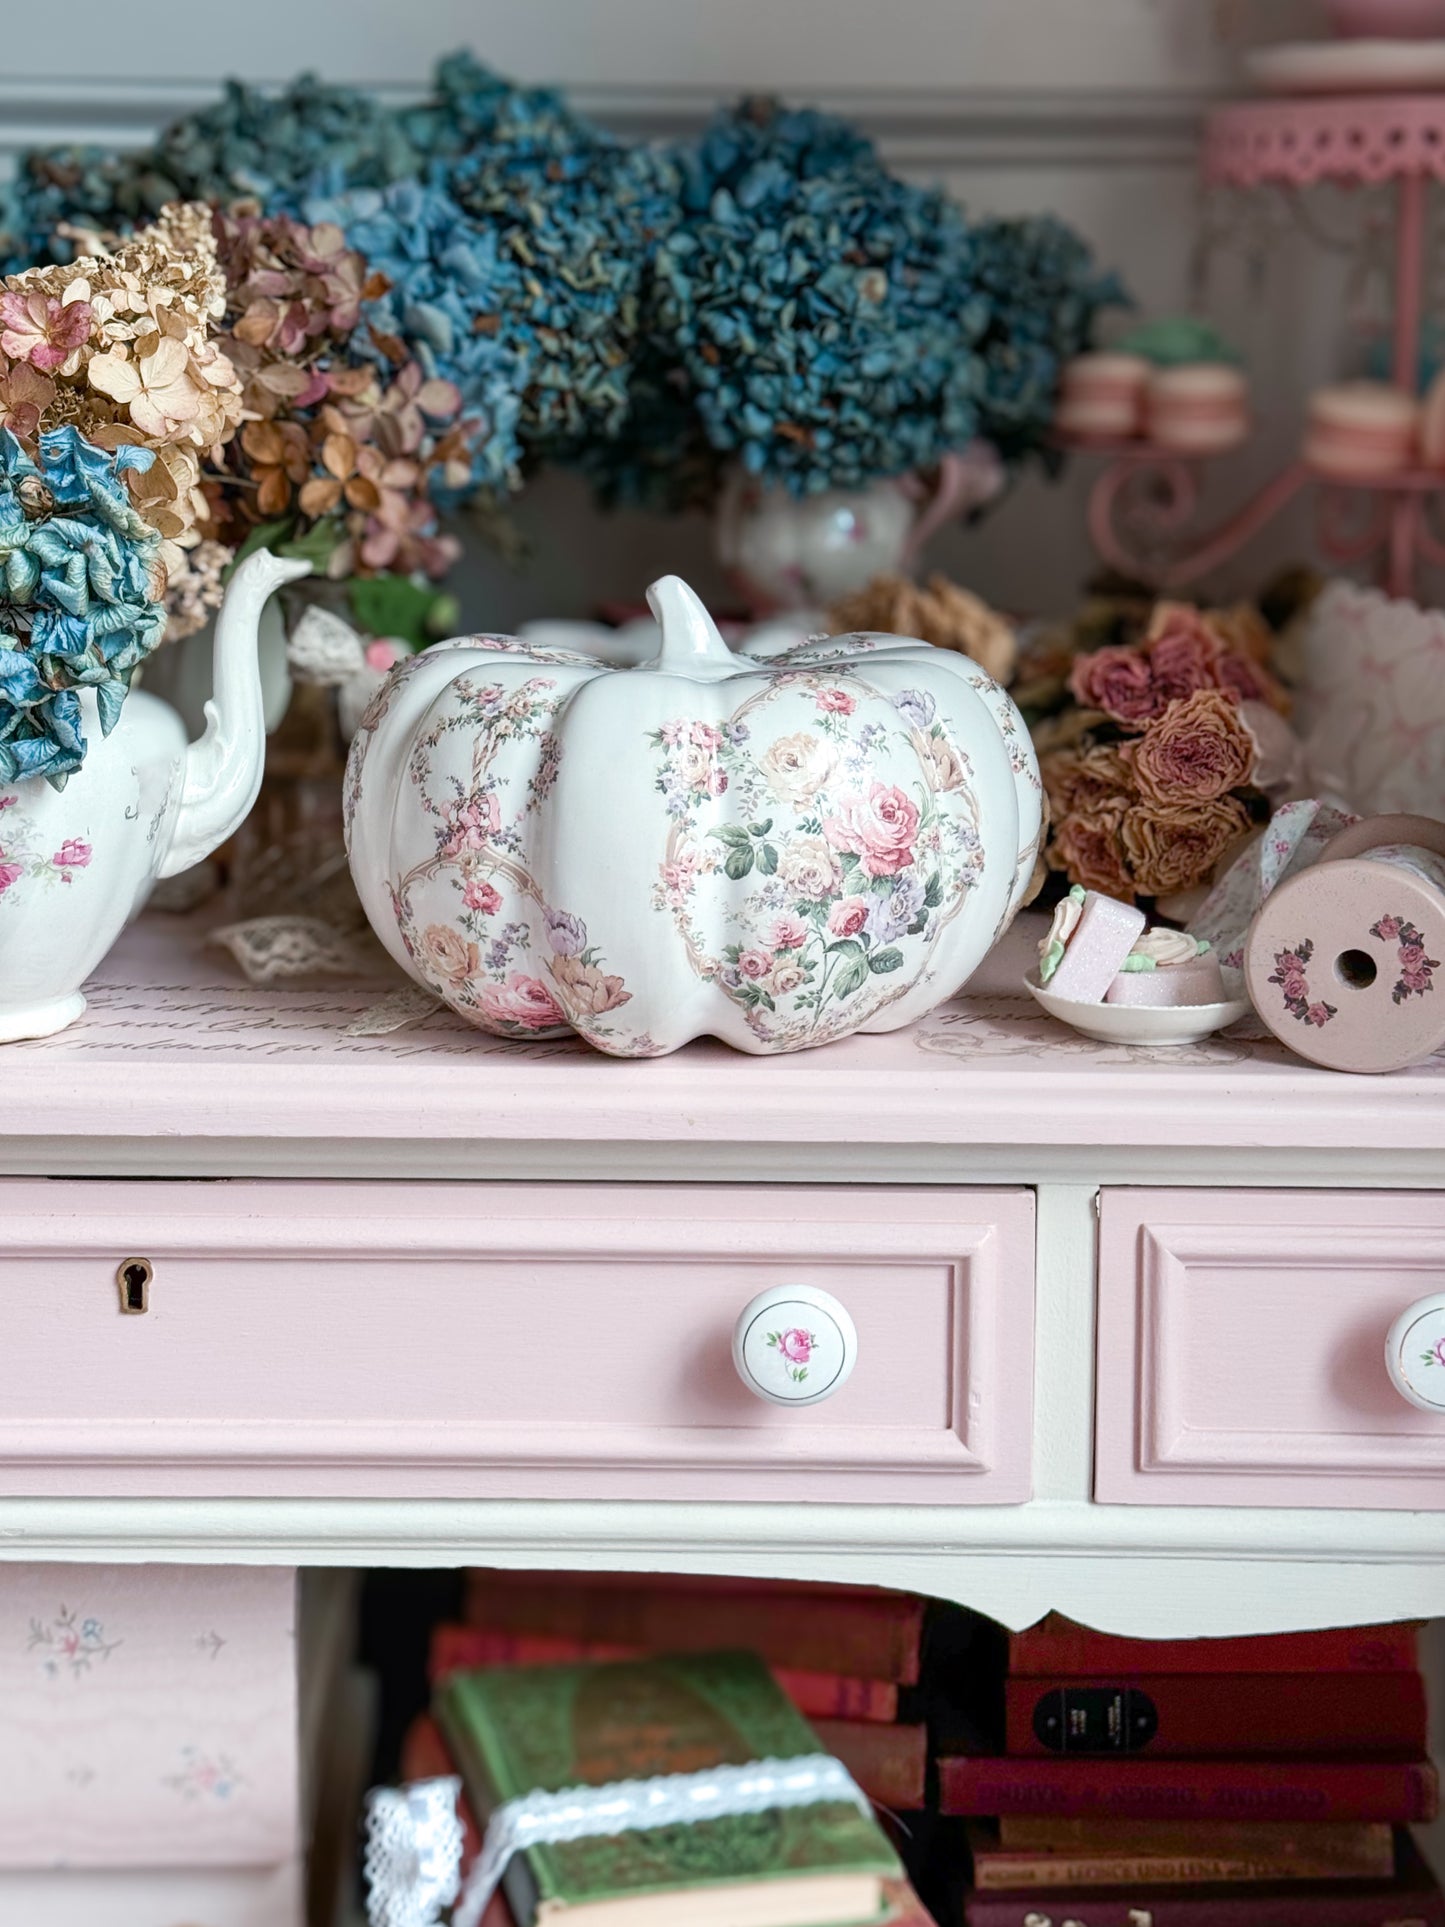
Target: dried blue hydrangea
x=1043 y=293
x=249 y=143
x=452 y=306
x=817 y=306
x=79 y=587
x=578 y=217
x=833 y=324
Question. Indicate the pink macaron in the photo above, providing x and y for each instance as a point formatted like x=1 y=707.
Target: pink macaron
x=1101 y=397
x=1361 y=428
x=1198 y=408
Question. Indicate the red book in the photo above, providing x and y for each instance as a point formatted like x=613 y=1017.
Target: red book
x=1057 y=1647
x=1400 y=1791
x=863 y=1634
x=1220 y=1716
x=825 y=1696
x=890 y=1763
x=1411 y=1899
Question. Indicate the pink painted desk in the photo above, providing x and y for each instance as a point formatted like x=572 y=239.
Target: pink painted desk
x=427 y=1298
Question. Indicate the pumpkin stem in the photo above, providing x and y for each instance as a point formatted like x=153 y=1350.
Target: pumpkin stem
x=691 y=645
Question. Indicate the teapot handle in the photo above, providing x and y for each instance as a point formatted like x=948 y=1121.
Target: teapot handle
x=964 y=480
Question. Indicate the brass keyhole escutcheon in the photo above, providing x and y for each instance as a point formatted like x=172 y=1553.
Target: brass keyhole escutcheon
x=134 y=1275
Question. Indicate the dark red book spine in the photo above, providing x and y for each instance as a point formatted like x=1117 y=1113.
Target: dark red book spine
x=1400 y=1791
x=1220 y=1716
x=862 y=1635
x=817 y=1696
x=1056 y=1647
x=1345 y=1904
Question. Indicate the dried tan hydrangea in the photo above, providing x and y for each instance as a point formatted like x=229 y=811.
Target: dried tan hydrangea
x=194 y=588
x=121 y=344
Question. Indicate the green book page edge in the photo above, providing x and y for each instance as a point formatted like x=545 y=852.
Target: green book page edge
x=518 y=1730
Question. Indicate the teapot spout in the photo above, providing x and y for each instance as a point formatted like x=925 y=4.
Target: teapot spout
x=222 y=771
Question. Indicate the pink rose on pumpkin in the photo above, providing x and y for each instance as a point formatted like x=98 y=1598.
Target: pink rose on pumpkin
x=524 y=1001
x=9 y=873
x=837 y=702
x=848 y=916
x=1120 y=682
x=472 y=823
x=679 y=876
x=481 y=896
x=796 y=1346
x=673 y=733
x=755 y=964
x=789 y=933
x=73 y=854
x=706 y=735
x=879 y=828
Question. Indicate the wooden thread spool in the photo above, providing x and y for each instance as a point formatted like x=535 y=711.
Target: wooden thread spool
x=1346 y=962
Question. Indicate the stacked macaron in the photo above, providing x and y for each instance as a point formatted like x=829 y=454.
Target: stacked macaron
x=1098 y=951
x=1101 y=397
x=1197 y=408
x=1190 y=407
x=1363 y=429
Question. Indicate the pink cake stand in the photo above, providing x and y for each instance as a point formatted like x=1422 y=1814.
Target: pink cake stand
x=1144 y=501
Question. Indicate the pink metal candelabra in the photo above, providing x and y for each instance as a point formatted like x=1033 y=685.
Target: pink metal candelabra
x=1146 y=498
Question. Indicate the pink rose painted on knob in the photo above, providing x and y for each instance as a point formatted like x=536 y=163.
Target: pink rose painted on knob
x=795 y=1347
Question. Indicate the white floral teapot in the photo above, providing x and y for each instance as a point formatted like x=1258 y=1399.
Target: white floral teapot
x=777 y=853
x=77 y=863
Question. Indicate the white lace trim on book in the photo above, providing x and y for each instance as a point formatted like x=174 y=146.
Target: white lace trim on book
x=407 y=1844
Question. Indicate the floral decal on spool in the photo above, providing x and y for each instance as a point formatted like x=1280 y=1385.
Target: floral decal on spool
x=795 y=1349
x=23 y=858
x=847 y=842
x=1289 y=974
x=1416 y=969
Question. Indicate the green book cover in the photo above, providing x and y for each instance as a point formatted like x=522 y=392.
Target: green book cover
x=518 y=1730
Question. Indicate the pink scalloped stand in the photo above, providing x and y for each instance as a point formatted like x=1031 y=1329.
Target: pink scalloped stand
x=1145 y=497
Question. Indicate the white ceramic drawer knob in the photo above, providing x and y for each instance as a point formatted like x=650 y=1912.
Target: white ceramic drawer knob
x=1415 y=1353
x=794 y=1345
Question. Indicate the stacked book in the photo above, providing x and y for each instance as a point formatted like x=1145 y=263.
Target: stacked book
x=848 y=1657
x=1202 y=1783
x=512 y=1731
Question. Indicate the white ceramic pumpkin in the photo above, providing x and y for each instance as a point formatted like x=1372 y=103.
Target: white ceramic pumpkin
x=774 y=852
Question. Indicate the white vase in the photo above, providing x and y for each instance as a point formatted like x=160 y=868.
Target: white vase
x=804 y=552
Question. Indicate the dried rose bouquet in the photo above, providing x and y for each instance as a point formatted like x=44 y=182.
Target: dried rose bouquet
x=1159 y=764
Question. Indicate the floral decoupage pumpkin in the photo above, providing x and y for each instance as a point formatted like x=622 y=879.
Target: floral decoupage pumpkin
x=774 y=851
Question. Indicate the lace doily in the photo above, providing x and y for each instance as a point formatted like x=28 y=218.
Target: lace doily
x=413 y=1853
x=271 y=950
x=407 y=1884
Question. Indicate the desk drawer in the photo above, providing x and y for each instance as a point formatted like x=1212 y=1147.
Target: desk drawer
x=491 y=1341
x=1241 y=1356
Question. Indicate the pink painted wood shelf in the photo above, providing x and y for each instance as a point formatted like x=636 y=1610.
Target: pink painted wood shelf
x=175 y=1046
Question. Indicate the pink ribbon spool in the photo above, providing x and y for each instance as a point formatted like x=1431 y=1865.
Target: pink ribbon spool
x=1342 y=961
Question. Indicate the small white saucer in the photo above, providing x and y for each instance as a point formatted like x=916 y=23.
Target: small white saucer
x=1139 y=1023
x=1348 y=66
